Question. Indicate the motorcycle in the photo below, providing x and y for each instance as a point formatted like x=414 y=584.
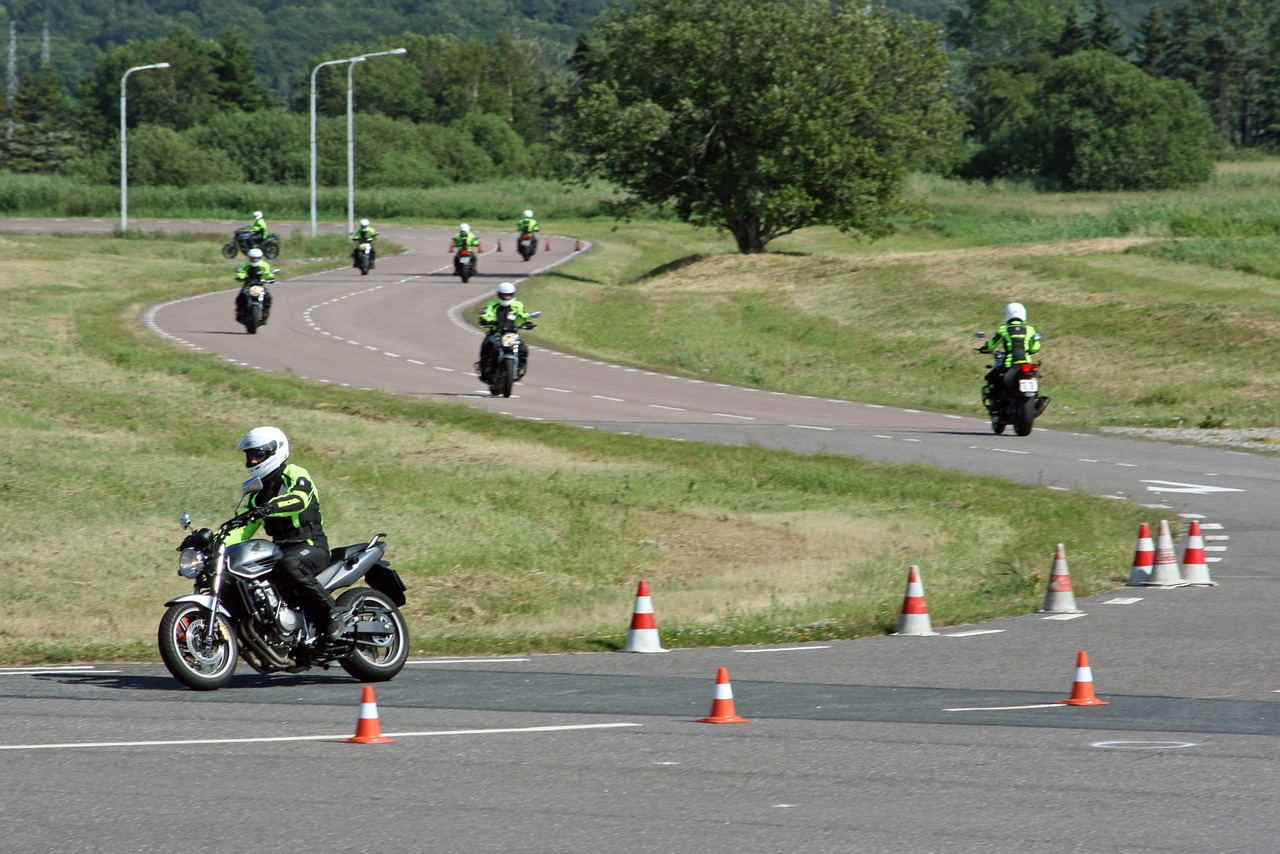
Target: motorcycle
x=364 y=257
x=505 y=367
x=244 y=240
x=526 y=245
x=1019 y=407
x=236 y=611
x=464 y=264
x=251 y=307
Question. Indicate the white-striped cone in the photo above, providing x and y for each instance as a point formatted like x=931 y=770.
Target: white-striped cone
x=643 y=635
x=1164 y=570
x=1144 y=555
x=1059 y=598
x=1195 y=571
x=368 y=731
x=914 y=621
x=722 y=710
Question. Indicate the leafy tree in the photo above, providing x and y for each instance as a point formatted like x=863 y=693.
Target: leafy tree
x=1102 y=124
x=762 y=117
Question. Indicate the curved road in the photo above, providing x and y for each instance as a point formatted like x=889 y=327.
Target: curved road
x=949 y=743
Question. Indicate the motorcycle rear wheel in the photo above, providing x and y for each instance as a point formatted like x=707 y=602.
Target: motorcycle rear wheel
x=1024 y=417
x=229 y=250
x=183 y=630
x=378 y=656
x=465 y=273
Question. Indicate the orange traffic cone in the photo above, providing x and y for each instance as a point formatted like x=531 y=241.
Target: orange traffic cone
x=1059 y=598
x=1082 y=689
x=643 y=635
x=722 y=711
x=1164 y=569
x=367 y=729
x=577 y=246
x=1195 y=571
x=548 y=244
x=1143 y=557
x=499 y=244
x=914 y=620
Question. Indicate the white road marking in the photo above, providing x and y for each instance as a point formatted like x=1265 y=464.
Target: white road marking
x=602 y=397
x=811 y=427
x=785 y=649
x=340 y=737
x=670 y=408
x=1063 y=617
x=730 y=415
x=1191 y=488
x=1128 y=601
x=974 y=633
x=1002 y=708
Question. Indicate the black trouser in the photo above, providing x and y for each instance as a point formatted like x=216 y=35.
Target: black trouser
x=296 y=573
x=487 y=347
x=355 y=255
x=242 y=304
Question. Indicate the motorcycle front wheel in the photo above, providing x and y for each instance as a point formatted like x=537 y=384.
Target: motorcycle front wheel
x=229 y=250
x=381 y=635
x=184 y=629
x=254 y=319
x=506 y=377
x=270 y=249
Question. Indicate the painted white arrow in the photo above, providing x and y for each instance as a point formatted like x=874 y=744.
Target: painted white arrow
x=1195 y=488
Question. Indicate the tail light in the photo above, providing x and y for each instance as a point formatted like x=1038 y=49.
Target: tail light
x=1027 y=367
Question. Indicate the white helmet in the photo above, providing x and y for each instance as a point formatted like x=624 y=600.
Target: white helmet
x=464 y=227
x=255 y=253
x=257 y=214
x=506 y=292
x=528 y=213
x=1015 y=311
x=364 y=223
x=266 y=449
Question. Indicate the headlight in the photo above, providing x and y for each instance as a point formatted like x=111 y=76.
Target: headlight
x=190 y=563
x=509 y=339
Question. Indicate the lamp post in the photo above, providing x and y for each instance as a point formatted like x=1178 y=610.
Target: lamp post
x=350 y=133
x=124 y=143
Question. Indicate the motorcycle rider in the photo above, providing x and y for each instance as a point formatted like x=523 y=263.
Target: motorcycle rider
x=255 y=265
x=464 y=239
x=1018 y=340
x=256 y=230
x=289 y=507
x=365 y=233
x=527 y=224
x=506 y=302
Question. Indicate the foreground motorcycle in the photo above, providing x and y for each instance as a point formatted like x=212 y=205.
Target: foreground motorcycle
x=244 y=240
x=237 y=611
x=364 y=257
x=526 y=245
x=251 y=307
x=464 y=264
x=505 y=367
x=1019 y=405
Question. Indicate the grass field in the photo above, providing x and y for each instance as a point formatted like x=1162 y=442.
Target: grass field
x=1158 y=310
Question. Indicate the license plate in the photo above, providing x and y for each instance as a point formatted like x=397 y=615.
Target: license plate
x=1028 y=386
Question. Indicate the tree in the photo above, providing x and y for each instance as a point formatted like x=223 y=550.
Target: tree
x=762 y=117
x=39 y=128
x=1151 y=42
x=1102 y=124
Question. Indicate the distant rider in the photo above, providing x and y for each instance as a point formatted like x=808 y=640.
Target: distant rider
x=505 y=304
x=256 y=230
x=289 y=506
x=464 y=239
x=256 y=268
x=365 y=234
x=1018 y=340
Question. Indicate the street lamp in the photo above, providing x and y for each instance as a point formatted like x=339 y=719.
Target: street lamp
x=124 y=143
x=350 y=133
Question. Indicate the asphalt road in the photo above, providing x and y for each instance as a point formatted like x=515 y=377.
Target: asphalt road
x=950 y=743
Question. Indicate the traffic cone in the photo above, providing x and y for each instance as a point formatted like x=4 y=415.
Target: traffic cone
x=499 y=244
x=548 y=244
x=1143 y=557
x=1164 y=570
x=1059 y=599
x=1195 y=571
x=1082 y=689
x=577 y=246
x=914 y=620
x=643 y=635
x=722 y=711
x=367 y=729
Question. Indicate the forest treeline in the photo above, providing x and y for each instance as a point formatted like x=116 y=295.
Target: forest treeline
x=483 y=90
